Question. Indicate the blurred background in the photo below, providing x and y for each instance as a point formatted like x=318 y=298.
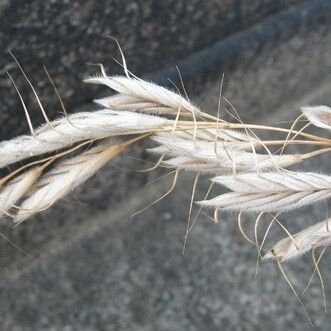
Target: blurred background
x=91 y=267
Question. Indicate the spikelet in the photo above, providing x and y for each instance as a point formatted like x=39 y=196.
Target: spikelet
x=221 y=156
x=318 y=115
x=16 y=188
x=78 y=127
x=271 y=192
x=66 y=176
x=138 y=95
x=317 y=235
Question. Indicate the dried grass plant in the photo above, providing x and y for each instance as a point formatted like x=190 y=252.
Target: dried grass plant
x=62 y=154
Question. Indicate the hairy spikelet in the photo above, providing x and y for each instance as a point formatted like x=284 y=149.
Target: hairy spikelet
x=17 y=188
x=221 y=156
x=271 y=192
x=318 y=115
x=78 y=127
x=291 y=247
x=138 y=95
x=65 y=177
